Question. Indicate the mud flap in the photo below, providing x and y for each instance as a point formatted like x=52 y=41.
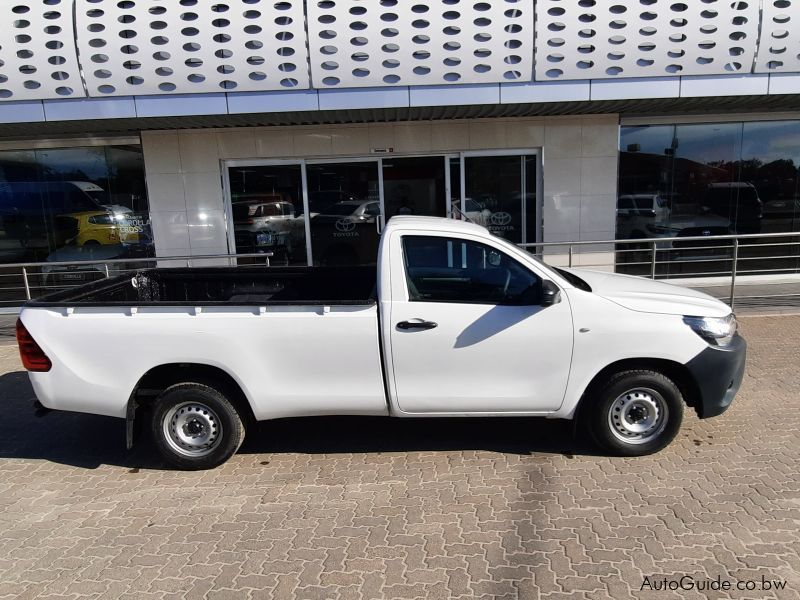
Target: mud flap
x=130 y=416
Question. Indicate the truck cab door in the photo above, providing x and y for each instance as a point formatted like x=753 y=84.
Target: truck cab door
x=472 y=329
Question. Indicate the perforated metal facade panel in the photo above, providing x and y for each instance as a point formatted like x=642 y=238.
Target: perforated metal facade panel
x=166 y=46
x=37 y=51
x=779 y=47
x=355 y=43
x=588 y=39
x=51 y=49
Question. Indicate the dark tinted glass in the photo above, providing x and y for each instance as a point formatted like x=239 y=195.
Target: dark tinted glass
x=708 y=179
x=414 y=186
x=55 y=201
x=440 y=269
x=341 y=232
x=771 y=163
x=267 y=204
x=495 y=184
x=70 y=205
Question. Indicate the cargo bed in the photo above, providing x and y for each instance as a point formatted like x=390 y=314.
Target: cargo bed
x=215 y=286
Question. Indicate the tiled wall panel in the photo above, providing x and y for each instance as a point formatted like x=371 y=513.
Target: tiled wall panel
x=160 y=49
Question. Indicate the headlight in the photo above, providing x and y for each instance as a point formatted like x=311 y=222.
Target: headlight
x=715 y=330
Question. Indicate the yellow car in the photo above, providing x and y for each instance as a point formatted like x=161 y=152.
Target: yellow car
x=91 y=227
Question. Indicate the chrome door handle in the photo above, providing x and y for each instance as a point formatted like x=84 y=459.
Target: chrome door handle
x=417 y=325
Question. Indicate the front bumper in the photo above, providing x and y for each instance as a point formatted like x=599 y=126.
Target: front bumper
x=718 y=373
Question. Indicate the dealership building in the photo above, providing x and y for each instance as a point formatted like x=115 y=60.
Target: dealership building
x=163 y=128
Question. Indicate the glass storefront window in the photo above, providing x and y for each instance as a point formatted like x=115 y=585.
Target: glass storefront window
x=267 y=210
x=73 y=204
x=349 y=201
x=344 y=207
x=500 y=194
x=414 y=186
x=707 y=179
x=771 y=164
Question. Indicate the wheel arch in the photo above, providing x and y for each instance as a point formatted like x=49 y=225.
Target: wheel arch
x=676 y=371
x=159 y=378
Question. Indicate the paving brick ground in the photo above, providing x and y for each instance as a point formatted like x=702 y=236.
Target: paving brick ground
x=355 y=508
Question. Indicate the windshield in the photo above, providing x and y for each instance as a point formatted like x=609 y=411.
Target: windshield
x=571 y=277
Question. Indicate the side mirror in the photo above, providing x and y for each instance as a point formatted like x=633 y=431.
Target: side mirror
x=551 y=294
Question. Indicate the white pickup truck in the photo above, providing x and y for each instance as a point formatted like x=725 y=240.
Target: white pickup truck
x=454 y=321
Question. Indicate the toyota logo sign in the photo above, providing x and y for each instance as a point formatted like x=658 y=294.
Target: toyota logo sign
x=500 y=218
x=345 y=225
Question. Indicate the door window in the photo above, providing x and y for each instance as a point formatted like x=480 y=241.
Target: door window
x=442 y=269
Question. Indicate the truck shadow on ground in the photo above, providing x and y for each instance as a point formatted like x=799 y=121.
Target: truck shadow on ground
x=89 y=441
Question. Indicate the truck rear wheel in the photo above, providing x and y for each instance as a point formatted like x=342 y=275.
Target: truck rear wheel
x=195 y=426
x=635 y=413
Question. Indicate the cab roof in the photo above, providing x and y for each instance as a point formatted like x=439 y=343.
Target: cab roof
x=432 y=224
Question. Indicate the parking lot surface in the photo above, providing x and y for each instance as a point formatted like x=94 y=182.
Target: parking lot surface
x=370 y=508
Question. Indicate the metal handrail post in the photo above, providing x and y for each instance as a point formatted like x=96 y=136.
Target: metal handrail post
x=653 y=263
x=105 y=266
x=733 y=271
x=570 y=256
x=27 y=285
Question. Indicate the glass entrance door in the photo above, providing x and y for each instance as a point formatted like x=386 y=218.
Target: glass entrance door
x=344 y=211
x=331 y=212
x=499 y=192
x=267 y=212
x=415 y=186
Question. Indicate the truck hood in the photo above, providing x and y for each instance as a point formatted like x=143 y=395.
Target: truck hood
x=646 y=295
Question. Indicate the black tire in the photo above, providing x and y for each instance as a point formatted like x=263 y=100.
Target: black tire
x=641 y=395
x=206 y=428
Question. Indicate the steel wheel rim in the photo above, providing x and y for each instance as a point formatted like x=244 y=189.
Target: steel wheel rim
x=192 y=429
x=638 y=416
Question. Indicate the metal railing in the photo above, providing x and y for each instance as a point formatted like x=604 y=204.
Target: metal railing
x=22 y=281
x=712 y=263
x=720 y=265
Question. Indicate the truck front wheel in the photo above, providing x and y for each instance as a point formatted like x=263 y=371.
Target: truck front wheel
x=195 y=426
x=635 y=413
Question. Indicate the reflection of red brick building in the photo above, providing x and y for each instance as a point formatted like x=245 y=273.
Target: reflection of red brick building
x=644 y=172
x=672 y=176
x=779 y=179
